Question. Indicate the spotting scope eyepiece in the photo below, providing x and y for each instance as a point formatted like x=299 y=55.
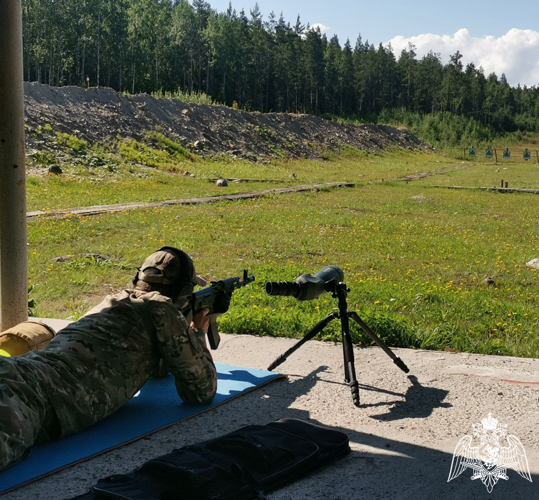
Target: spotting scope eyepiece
x=307 y=287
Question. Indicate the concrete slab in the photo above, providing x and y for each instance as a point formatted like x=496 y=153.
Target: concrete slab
x=402 y=437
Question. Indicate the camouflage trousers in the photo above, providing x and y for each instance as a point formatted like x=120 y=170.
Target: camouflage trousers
x=26 y=416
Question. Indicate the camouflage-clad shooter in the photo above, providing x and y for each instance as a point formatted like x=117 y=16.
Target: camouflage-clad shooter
x=96 y=364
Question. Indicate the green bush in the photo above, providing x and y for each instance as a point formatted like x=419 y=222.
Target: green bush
x=189 y=97
x=72 y=142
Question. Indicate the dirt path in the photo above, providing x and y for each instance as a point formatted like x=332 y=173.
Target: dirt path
x=422 y=175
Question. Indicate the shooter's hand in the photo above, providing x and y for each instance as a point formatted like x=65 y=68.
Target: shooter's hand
x=201 y=321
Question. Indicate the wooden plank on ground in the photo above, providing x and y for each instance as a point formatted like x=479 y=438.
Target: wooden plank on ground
x=499 y=189
x=121 y=207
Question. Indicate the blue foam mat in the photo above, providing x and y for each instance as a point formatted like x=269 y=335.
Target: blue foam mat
x=156 y=406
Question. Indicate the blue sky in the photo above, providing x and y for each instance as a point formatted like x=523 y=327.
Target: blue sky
x=380 y=21
x=499 y=35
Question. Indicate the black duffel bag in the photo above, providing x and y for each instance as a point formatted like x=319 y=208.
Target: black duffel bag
x=242 y=465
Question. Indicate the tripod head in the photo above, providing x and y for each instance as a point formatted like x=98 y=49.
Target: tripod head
x=307 y=287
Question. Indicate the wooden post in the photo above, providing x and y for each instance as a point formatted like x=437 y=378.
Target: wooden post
x=501 y=184
x=496 y=155
x=13 y=251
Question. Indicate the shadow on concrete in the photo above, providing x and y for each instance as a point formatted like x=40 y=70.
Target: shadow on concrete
x=378 y=468
x=419 y=402
x=386 y=468
x=394 y=469
x=362 y=387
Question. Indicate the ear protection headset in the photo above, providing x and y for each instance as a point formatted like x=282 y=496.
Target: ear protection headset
x=183 y=284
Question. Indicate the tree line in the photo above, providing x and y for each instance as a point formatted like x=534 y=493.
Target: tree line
x=257 y=64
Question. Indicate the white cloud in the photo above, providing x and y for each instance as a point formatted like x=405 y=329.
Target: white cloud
x=323 y=29
x=516 y=53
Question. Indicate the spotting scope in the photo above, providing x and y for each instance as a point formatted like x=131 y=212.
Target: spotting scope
x=307 y=287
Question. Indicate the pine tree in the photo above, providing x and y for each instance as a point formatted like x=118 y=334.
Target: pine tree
x=265 y=65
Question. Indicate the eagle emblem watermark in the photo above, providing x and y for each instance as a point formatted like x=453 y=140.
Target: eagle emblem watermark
x=489 y=460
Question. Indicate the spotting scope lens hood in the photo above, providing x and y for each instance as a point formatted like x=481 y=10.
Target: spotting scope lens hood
x=283 y=288
x=307 y=287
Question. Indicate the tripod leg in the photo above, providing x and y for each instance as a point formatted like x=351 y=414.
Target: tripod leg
x=349 y=367
x=398 y=361
x=348 y=350
x=308 y=336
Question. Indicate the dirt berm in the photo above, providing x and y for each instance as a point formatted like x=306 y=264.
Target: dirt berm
x=102 y=114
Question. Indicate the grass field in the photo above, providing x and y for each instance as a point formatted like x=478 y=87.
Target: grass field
x=516 y=175
x=99 y=178
x=414 y=256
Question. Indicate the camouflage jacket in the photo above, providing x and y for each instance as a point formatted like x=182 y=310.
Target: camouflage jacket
x=96 y=364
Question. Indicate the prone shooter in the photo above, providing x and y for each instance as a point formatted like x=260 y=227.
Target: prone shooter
x=51 y=388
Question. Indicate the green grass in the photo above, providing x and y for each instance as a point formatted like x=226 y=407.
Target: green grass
x=69 y=141
x=414 y=256
x=171 y=147
x=137 y=172
x=163 y=169
x=189 y=97
x=518 y=175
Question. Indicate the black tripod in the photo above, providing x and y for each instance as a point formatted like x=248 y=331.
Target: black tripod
x=340 y=292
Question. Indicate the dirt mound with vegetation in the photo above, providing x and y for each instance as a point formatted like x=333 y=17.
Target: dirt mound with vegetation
x=98 y=115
